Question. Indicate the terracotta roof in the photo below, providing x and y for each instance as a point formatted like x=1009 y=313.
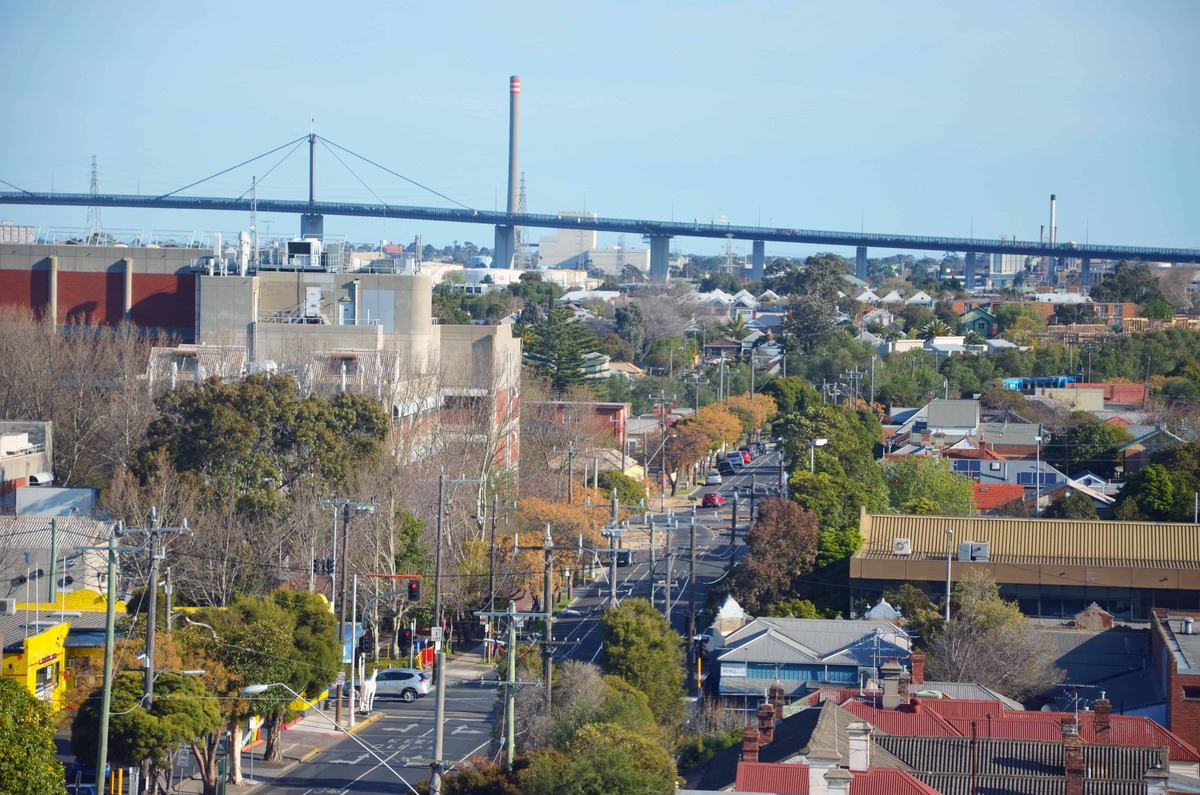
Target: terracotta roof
x=917 y=722
x=983 y=454
x=1018 y=541
x=1119 y=422
x=990 y=497
x=793 y=780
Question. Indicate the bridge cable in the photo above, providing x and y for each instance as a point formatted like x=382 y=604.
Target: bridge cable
x=14 y=187
x=291 y=152
x=356 y=176
x=231 y=168
x=401 y=176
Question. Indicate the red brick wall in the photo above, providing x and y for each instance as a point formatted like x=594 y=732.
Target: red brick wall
x=91 y=297
x=1183 y=715
x=25 y=289
x=159 y=300
x=167 y=300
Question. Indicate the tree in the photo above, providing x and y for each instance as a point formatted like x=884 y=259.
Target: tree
x=754 y=411
x=181 y=711
x=927 y=486
x=28 y=765
x=781 y=545
x=1074 y=505
x=1158 y=309
x=604 y=758
x=640 y=647
x=792 y=394
x=989 y=641
x=1129 y=282
x=1089 y=444
x=557 y=346
x=1151 y=490
x=629 y=491
x=631 y=326
x=720 y=425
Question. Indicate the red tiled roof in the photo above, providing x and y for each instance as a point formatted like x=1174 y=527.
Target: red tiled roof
x=793 y=780
x=992 y=496
x=1119 y=422
x=983 y=454
x=917 y=722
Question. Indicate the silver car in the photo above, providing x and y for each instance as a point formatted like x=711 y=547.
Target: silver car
x=408 y=684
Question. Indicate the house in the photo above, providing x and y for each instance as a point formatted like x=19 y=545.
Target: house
x=867 y=297
x=1136 y=454
x=980 y=321
x=1050 y=567
x=1175 y=661
x=26 y=458
x=803 y=654
x=919 y=298
x=892 y=297
x=992 y=497
x=1116 y=396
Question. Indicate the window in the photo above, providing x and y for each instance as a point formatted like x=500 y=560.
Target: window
x=1191 y=693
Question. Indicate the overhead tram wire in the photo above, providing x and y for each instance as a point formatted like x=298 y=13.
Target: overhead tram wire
x=356 y=176
x=291 y=152
x=394 y=174
x=231 y=168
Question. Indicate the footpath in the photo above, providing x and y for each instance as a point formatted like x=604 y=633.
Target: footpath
x=315 y=731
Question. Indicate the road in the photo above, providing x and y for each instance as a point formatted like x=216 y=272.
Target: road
x=713 y=557
x=404 y=734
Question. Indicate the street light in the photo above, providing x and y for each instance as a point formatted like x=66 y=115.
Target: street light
x=949 y=557
x=254 y=690
x=813 y=444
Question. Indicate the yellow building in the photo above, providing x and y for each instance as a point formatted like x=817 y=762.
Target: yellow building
x=48 y=647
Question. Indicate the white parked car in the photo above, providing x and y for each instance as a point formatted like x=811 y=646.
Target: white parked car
x=408 y=684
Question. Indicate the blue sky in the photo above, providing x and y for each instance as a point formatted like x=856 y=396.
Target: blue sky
x=939 y=118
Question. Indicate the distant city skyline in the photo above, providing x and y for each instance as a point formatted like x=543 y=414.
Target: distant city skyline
x=939 y=119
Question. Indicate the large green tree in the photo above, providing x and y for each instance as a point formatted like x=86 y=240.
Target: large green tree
x=181 y=711
x=27 y=755
x=1074 y=505
x=640 y=647
x=1149 y=493
x=1130 y=282
x=603 y=759
x=556 y=348
x=927 y=486
x=257 y=439
x=1089 y=443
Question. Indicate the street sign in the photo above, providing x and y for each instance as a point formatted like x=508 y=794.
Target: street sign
x=435 y=634
x=341 y=678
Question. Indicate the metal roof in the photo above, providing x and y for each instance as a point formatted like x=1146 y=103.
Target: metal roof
x=33 y=532
x=1034 y=542
x=820 y=639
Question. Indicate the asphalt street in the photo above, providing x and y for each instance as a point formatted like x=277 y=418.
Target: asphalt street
x=403 y=738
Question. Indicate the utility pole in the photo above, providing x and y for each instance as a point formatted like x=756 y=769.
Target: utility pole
x=691 y=629
x=152 y=532
x=346 y=506
x=438 y=635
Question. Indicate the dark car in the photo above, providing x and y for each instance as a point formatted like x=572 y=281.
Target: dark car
x=759 y=448
x=726 y=468
x=713 y=499
x=749 y=451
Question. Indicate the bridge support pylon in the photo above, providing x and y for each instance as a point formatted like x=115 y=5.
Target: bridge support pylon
x=758 y=260
x=969 y=274
x=312 y=225
x=1085 y=271
x=505 y=250
x=660 y=257
x=860 y=262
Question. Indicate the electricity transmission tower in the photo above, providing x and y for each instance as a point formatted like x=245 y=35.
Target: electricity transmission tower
x=521 y=256
x=95 y=227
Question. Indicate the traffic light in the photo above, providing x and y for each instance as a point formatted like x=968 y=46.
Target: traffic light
x=414 y=590
x=406 y=636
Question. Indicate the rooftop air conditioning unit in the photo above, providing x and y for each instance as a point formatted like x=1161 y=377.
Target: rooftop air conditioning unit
x=973 y=551
x=8 y=607
x=902 y=546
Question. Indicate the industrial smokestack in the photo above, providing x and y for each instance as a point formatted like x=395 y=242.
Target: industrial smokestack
x=514 y=139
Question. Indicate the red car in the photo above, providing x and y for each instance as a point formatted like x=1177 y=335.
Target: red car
x=713 y=500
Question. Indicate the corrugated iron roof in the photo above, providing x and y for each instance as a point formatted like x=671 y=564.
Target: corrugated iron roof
x=1012 y=757
x=1037 y=541
x=793 y=780
x=33 y=532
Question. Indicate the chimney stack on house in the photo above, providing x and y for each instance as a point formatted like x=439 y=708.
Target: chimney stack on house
x=1073 y=764
x=1103 y=721
x=750 y=744
x=858 y=735
x=766 y=724
x=918 y=668
x=775 y=698
x=820 y=765
x=889 y=674
x=837 y=781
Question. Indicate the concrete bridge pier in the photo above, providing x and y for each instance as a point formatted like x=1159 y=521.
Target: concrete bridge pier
x=1085 y=272
x=969 y=275
x=860 y=262
x=660 y=252
x=312 y=225
x=506 y=247
x=758 y=260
